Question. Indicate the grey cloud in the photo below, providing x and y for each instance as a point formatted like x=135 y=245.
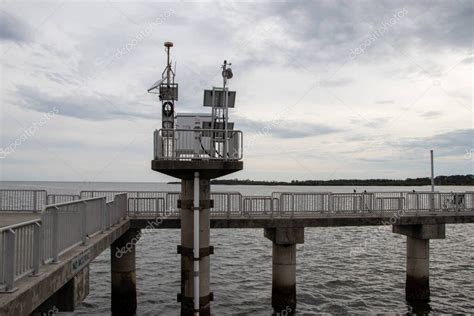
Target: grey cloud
x=371 y=123
x=337 y=82
x=468 y=60
x=96 y=107
x=452 y=143
x=284 y=129
x=431 y=114
x=322 y=32
x=12 y=29
x=384 y=101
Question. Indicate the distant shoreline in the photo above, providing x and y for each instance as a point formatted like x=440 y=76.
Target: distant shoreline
x=439 y=180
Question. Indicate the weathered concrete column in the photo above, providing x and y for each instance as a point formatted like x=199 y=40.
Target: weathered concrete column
x=186 y=247
x=68 y=297
x=124 y=283
x=417 y=286
x=284 y=267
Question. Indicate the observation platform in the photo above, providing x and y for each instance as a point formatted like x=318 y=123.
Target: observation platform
x=211 y=152
x=209 y=169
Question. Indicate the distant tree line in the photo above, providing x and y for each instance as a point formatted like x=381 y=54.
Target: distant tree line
x=439 y=180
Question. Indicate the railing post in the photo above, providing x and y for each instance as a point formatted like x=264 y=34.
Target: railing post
x=37 y=243
x=228 y=205
x=9 y=259
x=271 y=207
x=292 y=204
x=107 y=215
x=84 y=223
x=101 y=210
x=240 y=203
x=417 y=206
x=329 y=203
x=35 y=205
x=55 y=234
x=157 y=208
x=125 y=211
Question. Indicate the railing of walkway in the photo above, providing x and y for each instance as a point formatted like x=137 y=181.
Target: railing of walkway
x=22 y=200
x=289 y=204
x=61 y=198
x=284 y=204
x=130 y=194
x=162 y=203
x=20 y=249
x=26 y=246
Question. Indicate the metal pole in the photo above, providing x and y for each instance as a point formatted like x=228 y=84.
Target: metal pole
x=55 y=245
x=226 y=112
x=196 y=243
x=9 y=259
x=432 y=181
x=432 y=171
x=168 y=66
x=83 y=210
x=37 y=242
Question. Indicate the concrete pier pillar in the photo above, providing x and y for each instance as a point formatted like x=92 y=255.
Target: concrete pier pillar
x=284 y=267
x=124 y=286
x=186 y=247
x=284 y=277
x=417 y=286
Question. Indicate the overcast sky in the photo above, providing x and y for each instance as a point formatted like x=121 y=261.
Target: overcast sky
x=325 y=89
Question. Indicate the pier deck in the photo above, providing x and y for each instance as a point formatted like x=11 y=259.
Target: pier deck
x=12 y=218
x=47 y=249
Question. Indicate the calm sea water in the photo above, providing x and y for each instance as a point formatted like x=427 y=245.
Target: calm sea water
x=340 y=270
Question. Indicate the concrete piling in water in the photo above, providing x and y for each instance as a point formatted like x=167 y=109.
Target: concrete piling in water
x=186 y=247
x=284 y=277
x=417 y=286
x=284 y=267
x=124 y=285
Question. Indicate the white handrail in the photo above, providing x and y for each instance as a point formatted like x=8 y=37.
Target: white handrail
x=26 y=246
x=197 y=144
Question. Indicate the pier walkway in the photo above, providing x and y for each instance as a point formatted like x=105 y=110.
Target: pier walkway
x=48 y=241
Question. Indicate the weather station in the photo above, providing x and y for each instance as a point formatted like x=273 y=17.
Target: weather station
x=195 y=147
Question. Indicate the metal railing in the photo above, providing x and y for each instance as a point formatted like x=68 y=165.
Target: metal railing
x=197 y=144
x=61 y=198
x=26 y=246
x=253 y=206
x=226 y=203
x=284 y=204
x=22 y=200
x=67 y=225
x=146 y=206
x=289 y=204
x=20 y=249
x=166 y=204
x=130 y=194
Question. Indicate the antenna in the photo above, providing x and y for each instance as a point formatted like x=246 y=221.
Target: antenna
x=168 y=69
x=167 y=90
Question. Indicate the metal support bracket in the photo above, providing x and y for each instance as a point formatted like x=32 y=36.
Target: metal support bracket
x=203 y=300
x=189 y=204
x=188 y=252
